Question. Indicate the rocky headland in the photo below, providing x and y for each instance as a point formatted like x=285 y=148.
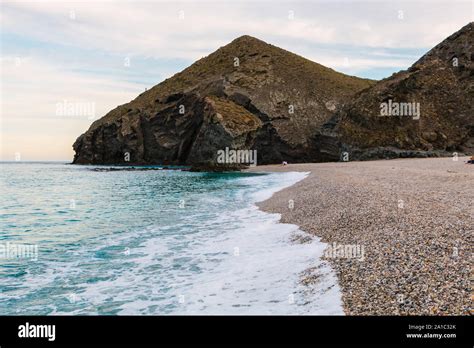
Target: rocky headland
x=253 y=95
x=246 y=95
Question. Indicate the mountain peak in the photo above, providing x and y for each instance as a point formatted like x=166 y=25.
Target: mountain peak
x=247 y=39
x=253 y=95
x=245 y=45
x=246 y=94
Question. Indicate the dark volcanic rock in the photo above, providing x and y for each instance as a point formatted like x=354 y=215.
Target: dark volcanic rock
x=442 y=82
x=246 y=95
x=218 y=168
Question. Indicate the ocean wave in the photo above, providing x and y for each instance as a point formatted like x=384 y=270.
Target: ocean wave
x=216 y=253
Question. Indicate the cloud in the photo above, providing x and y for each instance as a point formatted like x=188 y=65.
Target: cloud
x=35 y=86
x=31 y=91
x=74 y=50
x=189 y=30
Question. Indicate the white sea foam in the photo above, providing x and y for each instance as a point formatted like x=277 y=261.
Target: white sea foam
x=246 y=263
x=214 y=258
x=263 y=270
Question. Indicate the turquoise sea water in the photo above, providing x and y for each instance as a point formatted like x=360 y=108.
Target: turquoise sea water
x=152 y=242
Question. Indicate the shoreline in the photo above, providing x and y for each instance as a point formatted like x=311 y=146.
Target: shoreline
x=408 y=217
x=317 y=288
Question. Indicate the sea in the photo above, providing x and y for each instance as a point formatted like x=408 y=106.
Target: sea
x=101 y=240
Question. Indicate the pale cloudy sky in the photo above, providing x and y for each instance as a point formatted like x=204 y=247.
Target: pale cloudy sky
x=104 y=53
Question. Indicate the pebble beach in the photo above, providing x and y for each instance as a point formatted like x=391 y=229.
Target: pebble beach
x=399 y=232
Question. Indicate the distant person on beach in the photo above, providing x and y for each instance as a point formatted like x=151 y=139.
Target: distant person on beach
x=471 y=160
x=284 y=163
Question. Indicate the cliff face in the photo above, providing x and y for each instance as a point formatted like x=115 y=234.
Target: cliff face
x=441 y=83
x=246 y=95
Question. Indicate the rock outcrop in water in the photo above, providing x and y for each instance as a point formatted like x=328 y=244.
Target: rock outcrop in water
x=441 y=83
x=246 y=95
x=252 y=95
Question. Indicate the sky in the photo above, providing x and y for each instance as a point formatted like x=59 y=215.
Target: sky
x=64 y=64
